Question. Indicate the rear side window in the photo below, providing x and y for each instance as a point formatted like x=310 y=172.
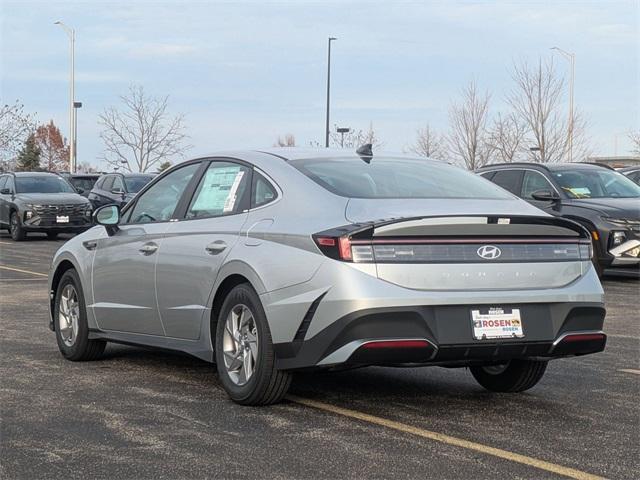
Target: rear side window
x=262 y=192
x=117 y=184
x=3 y=181
x=221 y=191
x=385 y=177
x=509 y=180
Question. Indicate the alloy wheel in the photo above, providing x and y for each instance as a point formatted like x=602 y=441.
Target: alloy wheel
x=68 y=315
x=240 y=344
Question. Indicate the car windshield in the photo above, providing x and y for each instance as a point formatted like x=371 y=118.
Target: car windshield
x=42 y=184
x=135 y=184
x=397 y=178
x=596 y=183
x=85 y=183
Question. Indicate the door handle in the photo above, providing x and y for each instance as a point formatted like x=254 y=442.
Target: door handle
x=148 y=248
x=215 y=247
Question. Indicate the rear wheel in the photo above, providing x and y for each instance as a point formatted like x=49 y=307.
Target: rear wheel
x=513 y=376
x=244 y=351
x=70 y=320
x=15 y=228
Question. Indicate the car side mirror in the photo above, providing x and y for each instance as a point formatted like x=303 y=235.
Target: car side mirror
x=109 y=217
x=545 y=196
x=6 y=191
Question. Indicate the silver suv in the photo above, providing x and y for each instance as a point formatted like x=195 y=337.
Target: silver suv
x=270 y=262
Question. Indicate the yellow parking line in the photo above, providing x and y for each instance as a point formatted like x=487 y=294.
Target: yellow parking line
x=449 y=440
x=630 y=370
x=13 y=269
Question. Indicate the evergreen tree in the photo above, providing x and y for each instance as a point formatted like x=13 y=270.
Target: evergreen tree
x=29 y=157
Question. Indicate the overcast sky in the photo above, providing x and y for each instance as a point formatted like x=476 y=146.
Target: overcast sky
x=246 y=72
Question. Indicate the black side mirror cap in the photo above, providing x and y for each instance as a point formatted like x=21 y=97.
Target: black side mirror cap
x=6 y=191
x=545 y=196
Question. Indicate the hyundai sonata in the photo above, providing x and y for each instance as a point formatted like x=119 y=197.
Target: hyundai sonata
x=271 y=262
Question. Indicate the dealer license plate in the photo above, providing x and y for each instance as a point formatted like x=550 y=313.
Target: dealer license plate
x=496 y=322
x=62 y=219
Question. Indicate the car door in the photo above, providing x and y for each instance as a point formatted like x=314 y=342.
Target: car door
x=195 y=247
x=123 y=274
x=101 y=194
x=534 y=181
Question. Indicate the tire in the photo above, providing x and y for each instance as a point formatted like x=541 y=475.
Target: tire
x=73 y=338
x=265 y=385
x=52 y=235
x=515 y=376
x=15 y=228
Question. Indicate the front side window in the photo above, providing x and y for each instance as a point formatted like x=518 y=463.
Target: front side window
x=117 y=186
x=43 y=184
x=508 y=179
x=221 y=191
x=534 y=182
x=596 y=183
x=262 y=192
x=107 y=183
x=385 y=177
x=159 y=202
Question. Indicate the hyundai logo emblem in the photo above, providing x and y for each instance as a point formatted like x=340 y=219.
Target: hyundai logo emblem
x=489 y=252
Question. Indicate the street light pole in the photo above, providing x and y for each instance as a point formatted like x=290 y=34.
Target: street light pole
x=572 y=61
x=72 y=111
x=326 y=131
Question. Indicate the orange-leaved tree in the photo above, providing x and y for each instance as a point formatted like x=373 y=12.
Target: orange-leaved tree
x=54 y=150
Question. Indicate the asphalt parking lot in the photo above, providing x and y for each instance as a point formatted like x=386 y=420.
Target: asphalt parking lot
x=140 y=413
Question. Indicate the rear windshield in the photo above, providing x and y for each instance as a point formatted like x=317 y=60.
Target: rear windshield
x=85 y=183
x=43 y=184
x=596 y=183
x=135 y=184
x=397 y=178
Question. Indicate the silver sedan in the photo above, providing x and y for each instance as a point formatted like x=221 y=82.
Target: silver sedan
x=270 y=262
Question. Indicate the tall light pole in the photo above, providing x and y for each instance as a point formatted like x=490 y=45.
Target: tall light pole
x=72 y=109
x=326 y=131
x=572 y=61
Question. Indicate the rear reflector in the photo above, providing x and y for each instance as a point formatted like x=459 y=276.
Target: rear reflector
x=584 y=337
x=396 y=344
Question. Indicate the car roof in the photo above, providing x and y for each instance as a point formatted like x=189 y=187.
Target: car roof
x=308 y=153
x=36 y=174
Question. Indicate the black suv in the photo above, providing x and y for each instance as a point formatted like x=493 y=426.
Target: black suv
x=632 y=172
x=117 y=188
x=606 y=202
x=41 y=202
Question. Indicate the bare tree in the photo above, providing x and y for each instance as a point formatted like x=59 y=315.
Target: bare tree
x=142 y=134
x=468 y=136
x=356 y=138
x=429 y=143
x=506 y=138
x=634 y=136
x=536 y=101
x=288 y=140
x=15 y=127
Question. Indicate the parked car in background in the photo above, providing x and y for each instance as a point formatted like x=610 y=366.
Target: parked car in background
x=275 y=261
x=41 y=202
x=117 y=188
x=632 y=172
x=82 y=182
x=606 y=202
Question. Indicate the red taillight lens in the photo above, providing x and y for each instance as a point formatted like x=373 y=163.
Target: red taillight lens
x=344 y=244
x=335 y=247
x=326 y=241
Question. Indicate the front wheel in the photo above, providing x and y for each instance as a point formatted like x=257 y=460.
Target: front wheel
x=513 y=376
x=70 y=320
x=244 y=351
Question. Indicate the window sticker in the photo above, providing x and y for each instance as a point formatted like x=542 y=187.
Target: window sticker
x=219 y=190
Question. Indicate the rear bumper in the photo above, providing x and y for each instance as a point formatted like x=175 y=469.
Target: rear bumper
x=442 y=335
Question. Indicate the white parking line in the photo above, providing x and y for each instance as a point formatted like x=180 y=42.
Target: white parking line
x=13 y=269
x=630 y=370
